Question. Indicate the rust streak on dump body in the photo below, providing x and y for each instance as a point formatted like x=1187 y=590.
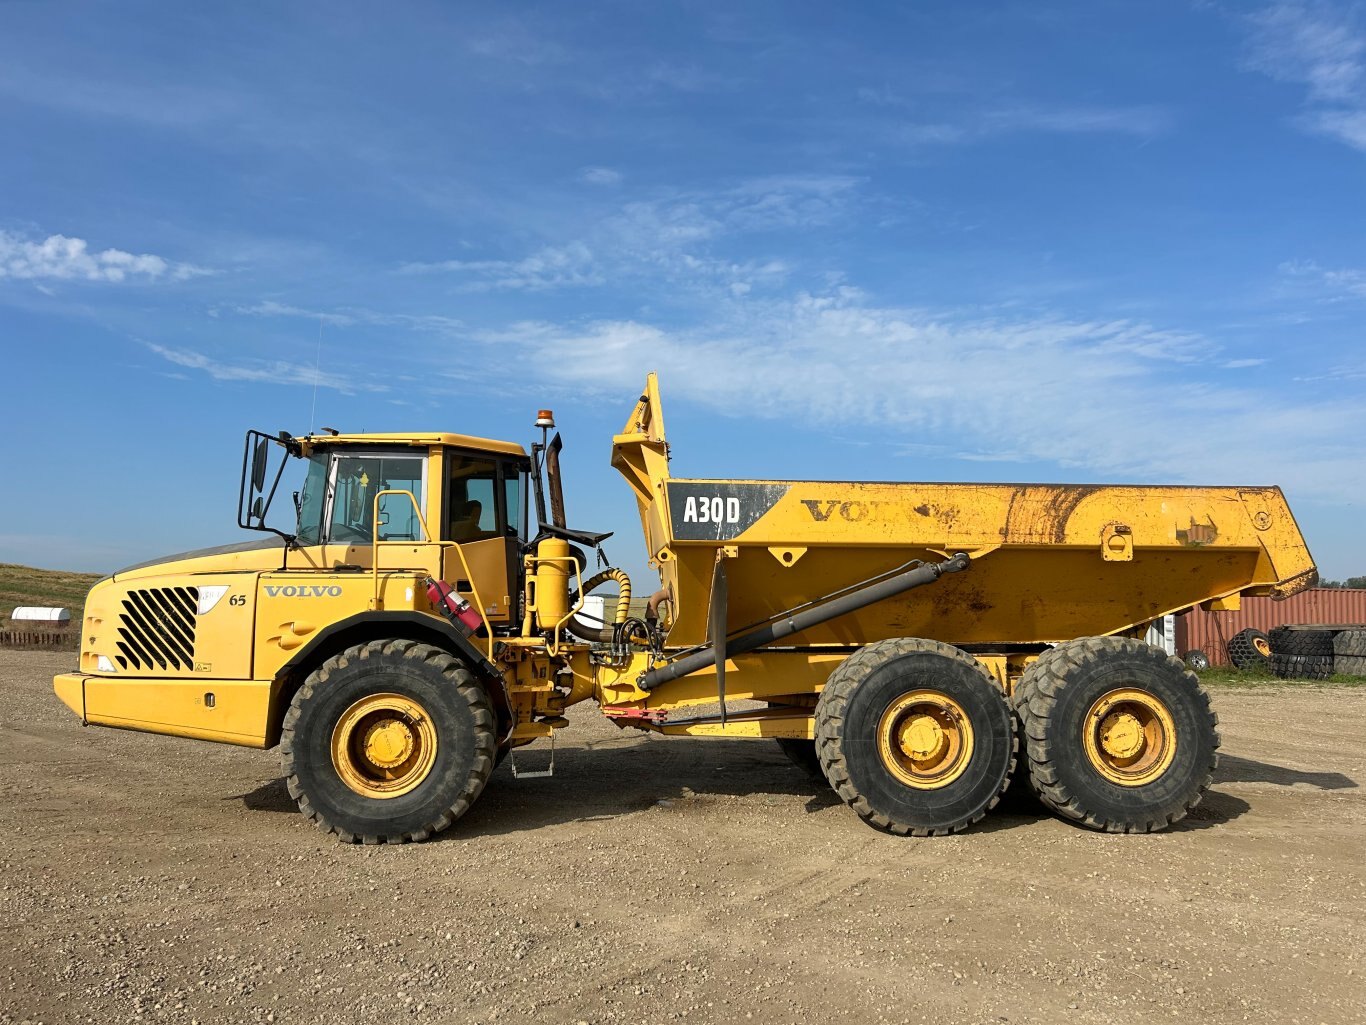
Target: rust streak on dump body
x=1041 y=511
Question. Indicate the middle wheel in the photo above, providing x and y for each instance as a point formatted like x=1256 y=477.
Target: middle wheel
x=915 y=736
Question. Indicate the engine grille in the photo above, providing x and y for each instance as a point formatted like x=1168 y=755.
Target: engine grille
x=156 y=628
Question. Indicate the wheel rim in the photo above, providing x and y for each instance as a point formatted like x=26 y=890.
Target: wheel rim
x=1262 y=646
x=1130 y=737
x=925 y=739
x=384 y=745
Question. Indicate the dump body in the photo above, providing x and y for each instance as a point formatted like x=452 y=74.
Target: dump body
x=1051 y=562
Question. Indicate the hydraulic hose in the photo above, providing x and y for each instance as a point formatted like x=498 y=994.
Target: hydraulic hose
x=602 y=633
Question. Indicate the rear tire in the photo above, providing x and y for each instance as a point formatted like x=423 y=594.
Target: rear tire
x=388 y=742
x=1120 y=736
x=1250 y=649
x=915 y=736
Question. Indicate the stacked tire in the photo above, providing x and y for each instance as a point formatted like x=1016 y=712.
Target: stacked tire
x=1302 y=654
x=1250 y=649
x=1349 y=652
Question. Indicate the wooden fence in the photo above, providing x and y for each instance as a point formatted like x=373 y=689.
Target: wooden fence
x=40 y=636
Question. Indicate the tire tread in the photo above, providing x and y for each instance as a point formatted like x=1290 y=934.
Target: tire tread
x=1035 y=699
x=459 y=677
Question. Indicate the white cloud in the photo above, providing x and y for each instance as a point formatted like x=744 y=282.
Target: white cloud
x=350 y=316
x=551 y=267
x=265 y=371
x=1335 y=285
x=982 y=120
x=1323 y=48
x=600 y=176
x=1117 y=398
x=667 y=243
x=59 y=257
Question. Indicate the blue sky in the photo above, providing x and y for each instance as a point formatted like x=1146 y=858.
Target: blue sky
x=1021 y=241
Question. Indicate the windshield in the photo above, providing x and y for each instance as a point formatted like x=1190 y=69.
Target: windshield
x=337 y=500
x=312 y=500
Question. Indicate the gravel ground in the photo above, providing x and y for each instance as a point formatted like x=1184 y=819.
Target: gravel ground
x=656 y=880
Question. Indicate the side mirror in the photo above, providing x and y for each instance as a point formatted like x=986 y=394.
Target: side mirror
x=258 y=465
x=258 y=509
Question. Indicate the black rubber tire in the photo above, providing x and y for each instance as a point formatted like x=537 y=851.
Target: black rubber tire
x=460 y=712
x=802 y=754
x=847 y=714
x=1351 y=643
x=1350 y=665
x=1316 y=643
x=1243 y=653
x=1053 y=698
x=1196 y=660
x=1303 y=667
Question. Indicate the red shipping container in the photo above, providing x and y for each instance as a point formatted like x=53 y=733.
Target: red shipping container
x=1210 y=631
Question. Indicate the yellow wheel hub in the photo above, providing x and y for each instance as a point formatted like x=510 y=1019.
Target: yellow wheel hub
x=924 y=739
x=384 y=745
x=1130 y=737
x=1263 y=646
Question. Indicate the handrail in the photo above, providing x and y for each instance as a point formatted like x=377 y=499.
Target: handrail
x=375 y=542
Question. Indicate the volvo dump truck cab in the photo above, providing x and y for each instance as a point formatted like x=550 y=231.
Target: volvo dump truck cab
x=914 y=643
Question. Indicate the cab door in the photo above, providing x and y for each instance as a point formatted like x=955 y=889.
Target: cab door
x=483 y=514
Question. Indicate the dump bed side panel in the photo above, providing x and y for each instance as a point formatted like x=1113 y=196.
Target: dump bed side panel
x=1051 y=561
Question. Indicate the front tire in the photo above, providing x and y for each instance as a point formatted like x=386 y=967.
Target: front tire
x=915 y=736
x=1120 y=736
x=388 y=742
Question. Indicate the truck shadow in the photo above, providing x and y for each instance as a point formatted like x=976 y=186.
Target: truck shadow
x=613 y=779
x=1233 y=769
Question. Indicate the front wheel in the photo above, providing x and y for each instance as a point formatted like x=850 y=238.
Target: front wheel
x=388 y=742
x=915 y=736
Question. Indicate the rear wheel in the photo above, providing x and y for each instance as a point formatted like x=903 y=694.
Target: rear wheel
x=388 y=742
x=915 y=736
x=1119 y=735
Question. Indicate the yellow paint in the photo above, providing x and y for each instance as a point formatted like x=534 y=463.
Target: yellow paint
x=1129 y=737
x=237 y=715
x=1057 y=563
x=70 y=688
x=384 y=745
x=925 y=739
x=552 y=583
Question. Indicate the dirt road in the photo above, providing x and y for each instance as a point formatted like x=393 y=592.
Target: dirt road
x=658 y=880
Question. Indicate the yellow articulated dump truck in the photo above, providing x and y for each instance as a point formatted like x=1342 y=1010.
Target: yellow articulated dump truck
x=920 y=644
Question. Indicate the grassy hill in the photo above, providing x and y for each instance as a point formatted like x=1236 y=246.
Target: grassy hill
x=24 y=585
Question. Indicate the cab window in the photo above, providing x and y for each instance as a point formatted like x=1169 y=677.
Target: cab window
x=356 y=480
x=471 y=498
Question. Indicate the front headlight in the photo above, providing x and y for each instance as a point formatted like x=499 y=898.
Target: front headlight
x=103 y=664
